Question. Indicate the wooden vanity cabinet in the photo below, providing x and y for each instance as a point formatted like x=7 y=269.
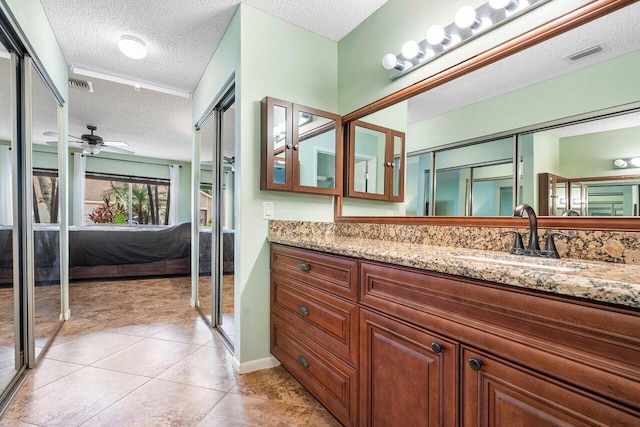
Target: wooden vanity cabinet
x=301 y=148
x=314 y=324
x=436 y=349
x=525 y=358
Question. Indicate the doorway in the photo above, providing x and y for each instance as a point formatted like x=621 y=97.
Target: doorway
x=216 y=234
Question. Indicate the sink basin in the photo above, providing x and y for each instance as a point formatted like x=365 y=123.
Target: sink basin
x=525 y=264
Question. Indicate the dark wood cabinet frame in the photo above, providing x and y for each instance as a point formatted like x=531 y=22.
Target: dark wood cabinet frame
x=290 y=148
x=389 y=158
x=586 y=13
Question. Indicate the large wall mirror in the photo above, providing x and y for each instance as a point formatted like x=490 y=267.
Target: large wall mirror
x=479 y=144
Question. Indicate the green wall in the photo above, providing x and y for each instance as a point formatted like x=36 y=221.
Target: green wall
x=361 y=76
x=270 y=57
x=593 y=154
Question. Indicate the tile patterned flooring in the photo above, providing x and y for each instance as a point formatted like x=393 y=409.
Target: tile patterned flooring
x=135 y=354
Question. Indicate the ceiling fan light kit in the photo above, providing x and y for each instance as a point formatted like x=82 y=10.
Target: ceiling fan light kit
x=91 y=143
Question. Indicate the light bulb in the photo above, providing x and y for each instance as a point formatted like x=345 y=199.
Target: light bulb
x=503 y=4
x=635 y=162
x=467 y=18
x=436 y=35
x=390 y=61
x=620 y=163
x=411 y=49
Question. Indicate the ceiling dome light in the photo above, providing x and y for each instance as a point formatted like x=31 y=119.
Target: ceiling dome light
x=436 y=35
x=620 y=163
x=467 y=18
x=411 y=49
x=503 y=4
x=132 y=47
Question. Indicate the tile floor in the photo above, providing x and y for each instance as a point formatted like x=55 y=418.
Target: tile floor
x=135 y=353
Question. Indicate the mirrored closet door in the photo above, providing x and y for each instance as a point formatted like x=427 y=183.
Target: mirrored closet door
x=42 y=164
x=11 y=340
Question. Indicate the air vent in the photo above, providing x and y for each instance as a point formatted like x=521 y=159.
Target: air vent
x=81 y=84
x=587 y=52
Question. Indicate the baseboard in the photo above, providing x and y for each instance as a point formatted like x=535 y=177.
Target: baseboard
x=255 y=365
x=67 y=315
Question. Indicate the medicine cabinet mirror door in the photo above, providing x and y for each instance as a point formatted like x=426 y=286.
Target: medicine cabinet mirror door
x=277 y=144
x=376 y=162
x=317 y=151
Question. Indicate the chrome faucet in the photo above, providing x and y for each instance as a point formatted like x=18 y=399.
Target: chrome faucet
x=533 y=248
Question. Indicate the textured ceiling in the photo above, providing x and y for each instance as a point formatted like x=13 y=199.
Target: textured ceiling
x=181 y=36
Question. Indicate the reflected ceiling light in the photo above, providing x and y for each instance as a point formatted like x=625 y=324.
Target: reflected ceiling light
x=633 y=162
x=412 y=50
x=132 y=47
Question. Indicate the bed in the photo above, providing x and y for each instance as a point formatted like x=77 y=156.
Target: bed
x=109 y=251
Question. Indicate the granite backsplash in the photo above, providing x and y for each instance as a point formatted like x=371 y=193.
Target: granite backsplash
x=593 y=245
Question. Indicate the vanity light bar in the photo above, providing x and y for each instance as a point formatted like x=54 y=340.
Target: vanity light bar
x=633 y=162
x=469 y=23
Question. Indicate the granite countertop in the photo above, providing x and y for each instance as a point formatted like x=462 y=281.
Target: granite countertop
x=591 y=280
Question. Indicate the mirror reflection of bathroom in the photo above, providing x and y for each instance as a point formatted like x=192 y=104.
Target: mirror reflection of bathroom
x=593 y=167
x=563 y=113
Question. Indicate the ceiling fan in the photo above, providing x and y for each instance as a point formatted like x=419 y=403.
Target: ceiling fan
x=92 y=144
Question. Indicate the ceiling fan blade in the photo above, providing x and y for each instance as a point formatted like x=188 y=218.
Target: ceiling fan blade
x=117 y=150
x=115 y=143
x=55 y=134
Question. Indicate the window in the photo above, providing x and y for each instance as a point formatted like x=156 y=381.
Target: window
x=45 y=196
x=126 y=200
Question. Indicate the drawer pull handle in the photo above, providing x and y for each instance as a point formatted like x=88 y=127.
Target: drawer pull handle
x=303 y=362
x=437 y=347
x=303 y=310
x=475 y=364
x=304 y=266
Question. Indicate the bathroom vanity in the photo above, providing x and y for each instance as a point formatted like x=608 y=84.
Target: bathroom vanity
x=407 y=334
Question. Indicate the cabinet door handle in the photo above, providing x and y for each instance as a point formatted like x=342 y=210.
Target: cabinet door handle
x=475 y=364
x=303 y=310
x=304 y=266
x=289 y=146
x=437 y=347
x=303 y=362
x=295 y=147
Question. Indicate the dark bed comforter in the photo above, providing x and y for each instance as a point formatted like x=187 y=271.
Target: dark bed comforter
x=115 y=245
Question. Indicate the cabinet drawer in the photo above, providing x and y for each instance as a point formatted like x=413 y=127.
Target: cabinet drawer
x=329 y=320
x=497 y=392
x=333 y=273
x=331 y=381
